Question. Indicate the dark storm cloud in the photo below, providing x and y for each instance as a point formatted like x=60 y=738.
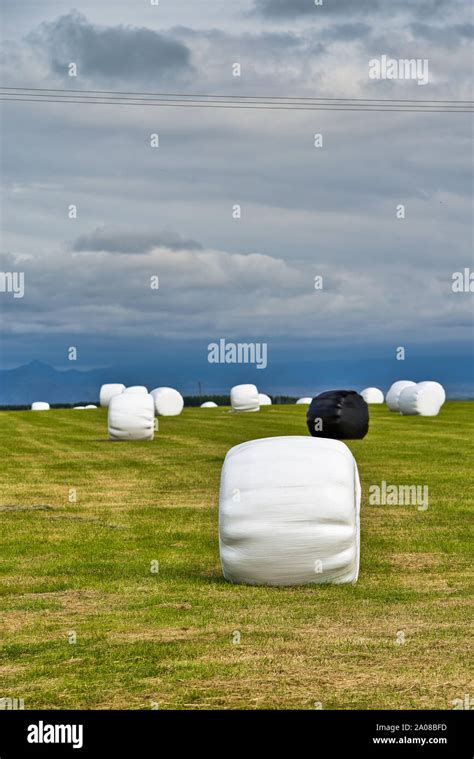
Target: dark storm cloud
x=114 y=52
x=116 y=240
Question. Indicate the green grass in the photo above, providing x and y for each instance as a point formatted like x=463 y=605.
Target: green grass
x=167 y=638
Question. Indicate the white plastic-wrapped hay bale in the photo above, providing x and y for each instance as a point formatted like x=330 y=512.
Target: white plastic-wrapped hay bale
x=289 y=512
x=264 y=400
x=136 y=389
x=78 y=408
x=131 y=417
x=436 y=388
x=393 y=395
x=107 y=392
x=420 y=400
x=90 y=405
x=168 y=401
x=40 y=406
x=372 y=395
x=208 y=404
x=244 y=398
x=304 y=401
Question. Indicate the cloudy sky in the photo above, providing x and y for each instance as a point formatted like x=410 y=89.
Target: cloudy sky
x=305 y=211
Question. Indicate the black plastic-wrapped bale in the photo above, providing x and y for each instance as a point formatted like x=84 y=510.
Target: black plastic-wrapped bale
x=338 y=414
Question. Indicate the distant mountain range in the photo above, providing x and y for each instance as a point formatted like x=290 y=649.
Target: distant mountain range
x=38 y=381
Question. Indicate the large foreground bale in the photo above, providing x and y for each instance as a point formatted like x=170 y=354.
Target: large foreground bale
x=40 y=406
x=372 y=395
x=338 y=414
x=289 y=512
x=393 y=395
x=264 y=400
x=107 y=392
x=244 y=398
x=131 y=417
x=168 y=401
x=420 y=400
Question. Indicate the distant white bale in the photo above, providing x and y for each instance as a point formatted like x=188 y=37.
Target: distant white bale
x=244 y=398
x=90 y=405
x=393 y=394
x=107 y=392
x=420 y=401
x=40 y=406
x=208 y=404
x=264 y=400
x=137 y=389
x=168 y=402
x=131 y=417
x=303 y=401
x=289 y=512
x=76 y=408
x=372 y=395
x=437 y=388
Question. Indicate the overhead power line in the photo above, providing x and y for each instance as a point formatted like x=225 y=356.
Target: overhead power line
x=227 y=97
x=242 y=102
x=171 y=104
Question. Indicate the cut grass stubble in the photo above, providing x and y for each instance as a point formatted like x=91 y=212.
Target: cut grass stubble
x=83 y=570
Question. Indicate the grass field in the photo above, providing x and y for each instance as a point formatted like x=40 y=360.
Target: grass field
x=166 y=640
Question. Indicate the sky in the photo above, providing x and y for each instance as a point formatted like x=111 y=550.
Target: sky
x=306 y=212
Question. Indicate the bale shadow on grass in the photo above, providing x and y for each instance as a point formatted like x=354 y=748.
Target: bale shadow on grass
x=106 y=440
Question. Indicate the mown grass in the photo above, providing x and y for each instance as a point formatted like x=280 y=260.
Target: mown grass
x=167 y=639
